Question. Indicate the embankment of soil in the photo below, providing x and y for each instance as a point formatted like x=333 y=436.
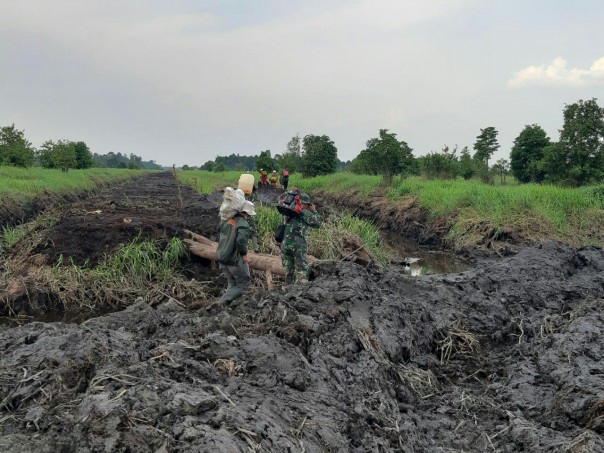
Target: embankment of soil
x=505 y=357
x=152 y=207
x=408 y=219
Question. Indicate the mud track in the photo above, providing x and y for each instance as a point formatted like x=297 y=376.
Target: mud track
x=505 y=358
x=153 y=206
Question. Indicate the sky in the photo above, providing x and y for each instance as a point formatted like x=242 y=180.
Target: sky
x=183 y=81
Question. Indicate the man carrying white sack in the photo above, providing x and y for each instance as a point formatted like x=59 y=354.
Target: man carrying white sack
x=231 y=253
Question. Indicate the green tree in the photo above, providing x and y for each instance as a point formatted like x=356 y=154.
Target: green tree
x=553 y=165
x=64 y=155
x=14 y=148
x=486 y=144
x=209 y=166
x=220 y=168
x=83 y=155
x=291 y=158
x=467 y=165
x=45 y=154
x=582 y=143
x=502 y=168
x=320 y=155
x=527 y=154
x=265 y=161
x=385 y=155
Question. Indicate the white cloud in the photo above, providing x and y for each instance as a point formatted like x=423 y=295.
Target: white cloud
x=558 y=74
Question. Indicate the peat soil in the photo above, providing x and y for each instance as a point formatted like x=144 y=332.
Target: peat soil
x=408 y=219
x=505 y=357
x=16 y=210
x=153 y=206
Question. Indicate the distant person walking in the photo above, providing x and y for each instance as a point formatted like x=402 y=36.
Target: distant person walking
x=284 y=178
x=231 y=253
x=294 y=248
x=274 y=178
x=263 y=177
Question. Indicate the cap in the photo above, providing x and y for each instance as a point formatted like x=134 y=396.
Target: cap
x=304 y=198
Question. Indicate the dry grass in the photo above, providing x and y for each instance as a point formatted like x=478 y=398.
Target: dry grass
x=140 y=270
x=458 y=342
x=228 y=367
x=422 y=382
x=583 y=443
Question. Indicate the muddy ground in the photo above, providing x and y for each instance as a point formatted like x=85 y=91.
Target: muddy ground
x=505 y=357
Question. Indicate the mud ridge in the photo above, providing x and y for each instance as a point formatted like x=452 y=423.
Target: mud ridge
x=17 y=210
x=505 y=357
x=411 y=221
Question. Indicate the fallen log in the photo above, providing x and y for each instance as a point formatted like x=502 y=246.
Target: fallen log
x=205 y=248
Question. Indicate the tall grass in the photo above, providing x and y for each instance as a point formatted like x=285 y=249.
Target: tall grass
x=143 y=261
x=206 y=182
x=338 y=182
x=138 y=269
x=535 y=210
x=10 y=236
x=27 y=182
x=138 y=262
x=562 y=209
x=328 y=241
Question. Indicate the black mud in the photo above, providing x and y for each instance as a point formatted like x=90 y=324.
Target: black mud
x=153 y=207
x=505 y=357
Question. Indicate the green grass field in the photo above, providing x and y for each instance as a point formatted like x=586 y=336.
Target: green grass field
x=206 y=182
x=27 y=182
x=532 y=210
x=536 y=210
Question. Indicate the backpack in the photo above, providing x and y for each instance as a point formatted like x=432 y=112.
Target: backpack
x=280 y=233
x=289 y=203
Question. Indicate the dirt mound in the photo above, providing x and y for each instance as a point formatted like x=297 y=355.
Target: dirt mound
x=506 y=357
x=16 y=210
x=151 y=207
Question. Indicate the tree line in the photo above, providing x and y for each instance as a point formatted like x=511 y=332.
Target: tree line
x=17 y=151
x=576 y=159
x=312 y=155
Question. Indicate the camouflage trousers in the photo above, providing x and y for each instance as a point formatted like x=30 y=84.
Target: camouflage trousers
x=295 y=263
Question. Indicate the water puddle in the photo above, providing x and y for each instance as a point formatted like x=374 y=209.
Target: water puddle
x=52 y=316
x=420 y=260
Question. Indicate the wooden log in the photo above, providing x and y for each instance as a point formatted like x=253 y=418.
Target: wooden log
x=259 y=261
x=200 y=238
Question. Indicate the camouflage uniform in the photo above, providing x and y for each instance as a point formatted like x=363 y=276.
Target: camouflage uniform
x=294 y=247
x=253 y=231
x=232 y=246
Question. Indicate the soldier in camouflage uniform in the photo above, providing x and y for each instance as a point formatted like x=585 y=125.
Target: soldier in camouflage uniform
x=294 y=247
x=252 y=230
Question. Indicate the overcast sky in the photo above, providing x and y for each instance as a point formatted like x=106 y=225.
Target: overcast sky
x=182 y=81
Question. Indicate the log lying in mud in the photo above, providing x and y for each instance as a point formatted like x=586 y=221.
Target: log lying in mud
x=202 y=246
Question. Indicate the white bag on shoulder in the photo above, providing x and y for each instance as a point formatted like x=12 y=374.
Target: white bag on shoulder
x=232 y=203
